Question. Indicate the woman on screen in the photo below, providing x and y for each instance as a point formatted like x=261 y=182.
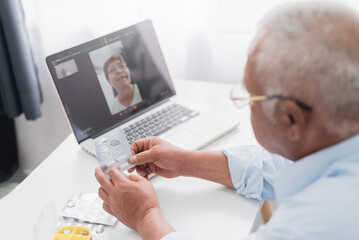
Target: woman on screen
x=118 y=75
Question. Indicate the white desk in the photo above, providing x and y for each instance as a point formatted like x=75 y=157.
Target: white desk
x=203 y=209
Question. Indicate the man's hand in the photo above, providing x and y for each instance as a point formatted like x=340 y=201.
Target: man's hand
x=134 y=202
x=153 y=155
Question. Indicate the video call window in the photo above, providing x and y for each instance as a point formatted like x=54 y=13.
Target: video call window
x=111 y=79
x=117 y=83
x=66 y=69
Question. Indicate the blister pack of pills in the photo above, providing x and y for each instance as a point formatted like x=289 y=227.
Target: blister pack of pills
x=113 y=149
x=86 y=210
x=95 y=228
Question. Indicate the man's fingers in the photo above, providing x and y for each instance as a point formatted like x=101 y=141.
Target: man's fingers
x=116 y=176
x=103 y=194
x=141 y=158
x=141 y=145
x=143 y=170
x=102 y=179
x=152 y=167
x=107 y=208
x=148 y=171
x=135 y=178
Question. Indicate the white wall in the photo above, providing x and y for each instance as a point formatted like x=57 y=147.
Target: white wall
x=201 y=39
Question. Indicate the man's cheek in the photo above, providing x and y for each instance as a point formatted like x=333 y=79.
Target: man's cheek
x=255 y=120
x=261 y=131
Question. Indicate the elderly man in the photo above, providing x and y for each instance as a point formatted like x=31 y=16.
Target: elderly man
x=302 y=75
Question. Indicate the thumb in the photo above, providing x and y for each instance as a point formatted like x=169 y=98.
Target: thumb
x=135 y=177
x=116 y=176
x=141 y=158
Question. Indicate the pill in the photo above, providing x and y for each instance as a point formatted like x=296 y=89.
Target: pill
x=121 y=158
x=110 y=163
x=123 y=166
x=72 y=203
x=100 y=229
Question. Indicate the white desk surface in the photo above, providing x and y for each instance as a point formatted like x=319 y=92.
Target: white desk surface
x=202 y=209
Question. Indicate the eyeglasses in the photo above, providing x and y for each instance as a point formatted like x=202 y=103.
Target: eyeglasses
x=113 y=69
x=240 y=97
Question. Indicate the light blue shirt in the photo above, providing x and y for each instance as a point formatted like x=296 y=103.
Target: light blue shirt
x=317 y=196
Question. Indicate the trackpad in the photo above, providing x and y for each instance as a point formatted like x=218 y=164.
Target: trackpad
x=183 y=138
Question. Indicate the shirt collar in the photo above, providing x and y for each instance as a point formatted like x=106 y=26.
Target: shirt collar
x=305 y=171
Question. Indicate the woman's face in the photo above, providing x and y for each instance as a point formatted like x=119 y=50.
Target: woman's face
x=118 y=74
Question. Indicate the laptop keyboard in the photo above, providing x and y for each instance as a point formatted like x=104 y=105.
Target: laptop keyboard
x=159 y=122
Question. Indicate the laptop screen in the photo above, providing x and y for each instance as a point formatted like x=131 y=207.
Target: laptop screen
x=107 y=81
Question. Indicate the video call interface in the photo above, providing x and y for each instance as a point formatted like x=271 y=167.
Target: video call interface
x=106 y=81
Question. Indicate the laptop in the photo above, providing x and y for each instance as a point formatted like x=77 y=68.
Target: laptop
x=121 y=81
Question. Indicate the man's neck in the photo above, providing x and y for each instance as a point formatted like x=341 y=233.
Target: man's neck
x=317 y=142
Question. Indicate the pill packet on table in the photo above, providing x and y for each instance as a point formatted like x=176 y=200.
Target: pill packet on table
x=86 y=208
x=95 y=228
x=113 y=149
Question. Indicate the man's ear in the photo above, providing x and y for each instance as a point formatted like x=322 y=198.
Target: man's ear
x=294 y=119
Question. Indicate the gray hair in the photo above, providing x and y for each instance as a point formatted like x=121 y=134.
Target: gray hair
x=311 y=52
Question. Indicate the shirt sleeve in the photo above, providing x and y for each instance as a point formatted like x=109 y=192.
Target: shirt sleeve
x=273 y=230
x=252 y=169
